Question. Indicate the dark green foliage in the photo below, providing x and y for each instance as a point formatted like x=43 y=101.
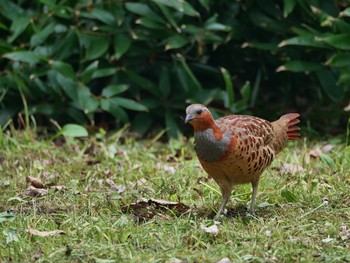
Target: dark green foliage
x=144 y=61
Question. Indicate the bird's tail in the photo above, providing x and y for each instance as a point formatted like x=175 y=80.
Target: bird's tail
x=292 y=129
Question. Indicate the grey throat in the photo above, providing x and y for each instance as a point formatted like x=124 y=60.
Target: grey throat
x=207 y=147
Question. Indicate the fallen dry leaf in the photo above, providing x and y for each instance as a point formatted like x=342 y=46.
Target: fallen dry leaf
x=316 y=152
x=213 y=230
x=327 y=148
x=344 y=233
x=35 y=192
x=289 y=168
x=115 y=187
x=57 y=187
x=167 y=168
x=34 y=182
x=148 y=209
x=224 y=260
x=44 y=233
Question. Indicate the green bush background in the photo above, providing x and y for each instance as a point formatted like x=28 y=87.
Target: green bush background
x=113 y=62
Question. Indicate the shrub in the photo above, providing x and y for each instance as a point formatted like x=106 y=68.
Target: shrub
x=144 y=61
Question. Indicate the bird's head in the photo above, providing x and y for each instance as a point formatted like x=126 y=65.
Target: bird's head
x=199 y=117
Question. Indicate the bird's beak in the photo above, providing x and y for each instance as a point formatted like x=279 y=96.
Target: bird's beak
x=189 y=117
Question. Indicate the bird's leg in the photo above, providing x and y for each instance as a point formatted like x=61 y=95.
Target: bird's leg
x=252 y=203
x=225 y=197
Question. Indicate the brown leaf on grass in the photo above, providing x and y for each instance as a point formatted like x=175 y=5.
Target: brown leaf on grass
x=115 y=187
x=213 y=230
x=316 y=152
x=44 y=233
x=58 y=187
x=35 y=192
x=289 y=168
x=34 y=182
x=344 y=233
x=148 y=209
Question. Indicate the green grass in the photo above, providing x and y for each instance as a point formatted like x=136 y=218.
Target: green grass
x=96 y=230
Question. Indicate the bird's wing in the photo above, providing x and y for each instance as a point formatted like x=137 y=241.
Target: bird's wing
x=246 y=127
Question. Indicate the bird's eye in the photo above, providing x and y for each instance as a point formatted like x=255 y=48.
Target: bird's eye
x=199 y=112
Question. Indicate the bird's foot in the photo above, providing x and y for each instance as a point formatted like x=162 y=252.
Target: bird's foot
x=251 y=214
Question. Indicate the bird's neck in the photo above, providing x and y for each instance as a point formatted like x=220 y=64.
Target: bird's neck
x=210 y=144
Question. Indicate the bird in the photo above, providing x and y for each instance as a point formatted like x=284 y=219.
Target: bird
x=236 y=149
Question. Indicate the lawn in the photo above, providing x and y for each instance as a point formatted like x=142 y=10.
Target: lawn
x=89 y=190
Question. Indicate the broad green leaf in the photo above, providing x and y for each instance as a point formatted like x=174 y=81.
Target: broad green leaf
x=180 y=6
x=229 y=87
x=114 y=89
x=143 y=10
x=305 y=40
x=42 y=35
x=104 y=72
x=142 y=122
x=189 y=72
x=176 y=41
x=18 y=26
x=7 y=216
x=299 y=66
x=128 y=104
x=149 y=23
x=114 y=109
x=95 y=46
x=288 y=7
x=217 y=27
x=89 y=71
x=164 y=81
x=327 y=160
x=73 y=130
x=68 y=85
x=144 y=83
x=169 y=17
x=289 y=196
x=87 y=102
x=64 y=68
x=11 y=235
x=345 y=12
x=170 y=123
x=25 y=56
x=328 y=81
x=103 y=15
x=122 y=43
x=205 y=4
x=341 y=41
x=339 y=60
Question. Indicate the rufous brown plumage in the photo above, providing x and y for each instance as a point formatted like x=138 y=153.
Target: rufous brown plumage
x=236 y=149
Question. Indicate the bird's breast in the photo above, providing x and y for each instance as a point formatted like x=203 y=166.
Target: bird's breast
x=208 y=147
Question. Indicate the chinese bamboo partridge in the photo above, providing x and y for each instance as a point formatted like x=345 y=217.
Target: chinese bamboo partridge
x=236 y=149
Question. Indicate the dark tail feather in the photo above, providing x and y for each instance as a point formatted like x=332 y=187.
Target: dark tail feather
x=292 y=121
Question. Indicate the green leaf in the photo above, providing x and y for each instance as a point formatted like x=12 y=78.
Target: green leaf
x=289 y=196
x=327 y=160
x=176 y=41
x=144 y=83
x=164 y=81
x=64 y=68
x=143 y=10
x=89 y=71
x=73 y=130
x=180 y=6
x=339 y=60
x=328 y=81
x=217 y=27
x=299 y=66
x=128 y=104
x=345 y=12
x=142 y=122
x=229 y=87
x=305 y=40
x=25 y=56
x=205 y=4
x=121 y=45
x=341 y=41
x=95 y=46
x=104 y=72
x=170 y=123
x=288 y=7
x=87 y=102
x=114 y=109
x=68 y=85
x=42 y=35
x=189 y=72
x=7 y=216
x=149 y=23
x=11 y=235
x=114 y=89
x=18 y=26
x=104 y=16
